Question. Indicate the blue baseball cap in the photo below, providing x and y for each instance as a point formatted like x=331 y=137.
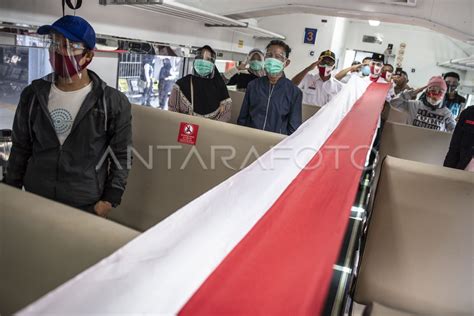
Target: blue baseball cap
x=73 y=28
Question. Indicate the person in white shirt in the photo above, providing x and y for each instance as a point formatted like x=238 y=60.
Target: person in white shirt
x=376 y=65
x=319 y=89
x=345 y=75
x=357 y=69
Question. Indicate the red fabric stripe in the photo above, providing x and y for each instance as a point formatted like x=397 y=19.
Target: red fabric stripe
x=284 y=265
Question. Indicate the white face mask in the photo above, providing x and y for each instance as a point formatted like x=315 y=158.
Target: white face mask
x=434 y=102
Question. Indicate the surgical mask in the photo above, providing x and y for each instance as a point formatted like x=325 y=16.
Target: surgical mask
x=203 y=67
x=387 y=75
x=273 y=66
x=365 y=70
x=325 y=70
x=68 y=66
x=256 y=65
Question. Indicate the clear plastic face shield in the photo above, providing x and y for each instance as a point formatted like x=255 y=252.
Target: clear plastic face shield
x=387 y=73
x=326 y=66
x=256 y=64
x=400 y=79
x=452 y=83
x=435 y=96
x=275 y=61
x=204 y=63
x=68 y=59
x=375 y=68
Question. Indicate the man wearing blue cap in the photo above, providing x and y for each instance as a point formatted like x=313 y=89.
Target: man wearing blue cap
x=71 y=131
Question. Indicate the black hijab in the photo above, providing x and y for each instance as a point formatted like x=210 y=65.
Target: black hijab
x=209 y=91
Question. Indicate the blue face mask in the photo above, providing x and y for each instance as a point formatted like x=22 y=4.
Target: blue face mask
x=203 y=67
x=365 y=70
x=273 y=66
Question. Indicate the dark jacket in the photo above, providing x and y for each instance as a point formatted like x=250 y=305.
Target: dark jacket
x=461 y=149
x=242 y=80
x=275 y=108
x=75 y=173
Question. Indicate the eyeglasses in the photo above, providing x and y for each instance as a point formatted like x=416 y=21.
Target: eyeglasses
x=280 y=57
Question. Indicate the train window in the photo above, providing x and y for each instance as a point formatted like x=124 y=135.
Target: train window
x=224 y=65
x=148 y=79
x=18 y=67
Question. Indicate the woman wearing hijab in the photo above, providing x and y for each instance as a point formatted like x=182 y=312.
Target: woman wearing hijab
x=255 y=70
x=204 y=92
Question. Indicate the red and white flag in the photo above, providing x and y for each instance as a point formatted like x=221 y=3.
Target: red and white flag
x=262 y=242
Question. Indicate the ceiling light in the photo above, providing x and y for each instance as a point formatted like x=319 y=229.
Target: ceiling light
x=374 y=23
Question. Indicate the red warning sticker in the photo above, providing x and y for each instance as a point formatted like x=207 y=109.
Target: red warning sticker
x=188 y=133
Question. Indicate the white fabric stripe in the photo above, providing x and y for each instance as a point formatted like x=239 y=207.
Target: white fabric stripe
x=161 y=269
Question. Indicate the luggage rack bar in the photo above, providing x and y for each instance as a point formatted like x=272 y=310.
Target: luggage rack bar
x=182 y=11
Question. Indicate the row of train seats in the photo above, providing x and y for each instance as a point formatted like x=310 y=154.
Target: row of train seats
x=397 y=116
x=414 y=143
x=44 y=243
x=418 y=254
x=238 y=97
x=174 y=174
x=410 y=142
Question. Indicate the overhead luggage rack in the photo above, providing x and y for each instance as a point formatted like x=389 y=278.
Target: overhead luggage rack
x=179 y=10
x=459 y=64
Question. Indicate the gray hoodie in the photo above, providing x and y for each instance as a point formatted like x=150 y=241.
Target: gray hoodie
x=422 y=115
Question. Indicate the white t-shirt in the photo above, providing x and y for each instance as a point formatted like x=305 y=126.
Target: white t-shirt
x=349 y=76
x=63 y=107
x=317 y=91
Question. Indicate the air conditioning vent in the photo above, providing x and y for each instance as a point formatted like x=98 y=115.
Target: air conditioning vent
x=371 y=39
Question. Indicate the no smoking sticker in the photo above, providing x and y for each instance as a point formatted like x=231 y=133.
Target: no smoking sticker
x=188 y=133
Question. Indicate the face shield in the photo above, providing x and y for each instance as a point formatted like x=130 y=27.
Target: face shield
x=375 y=68
x=274 y=62
x=452 y=84
x=256 y=63
x=435 y=96
x=387 y=74
x=326 y=66
x=204 y=63
x=67 y=58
